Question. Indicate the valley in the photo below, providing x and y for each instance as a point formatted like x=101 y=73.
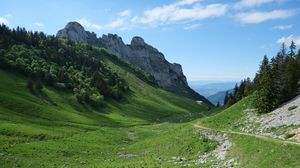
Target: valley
x=77 y=100
x=77 y=136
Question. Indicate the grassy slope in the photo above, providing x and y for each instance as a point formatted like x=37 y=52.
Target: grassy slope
x=251 y=151
x=226 y=119
x=53 y=129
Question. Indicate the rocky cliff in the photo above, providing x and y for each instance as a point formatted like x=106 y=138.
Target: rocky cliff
x=169 y=76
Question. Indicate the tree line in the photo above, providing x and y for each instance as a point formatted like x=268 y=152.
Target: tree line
x=276 y=81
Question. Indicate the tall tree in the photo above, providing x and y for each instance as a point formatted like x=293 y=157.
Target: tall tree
x=291 y=78
x=226 y=98
x=266 y=98
x=292 y=49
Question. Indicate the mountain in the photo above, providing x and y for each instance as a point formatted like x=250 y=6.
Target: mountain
x=211 y=87
x=169 y=76
x=218 y=97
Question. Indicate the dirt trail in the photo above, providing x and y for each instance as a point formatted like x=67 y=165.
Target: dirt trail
x=248 y=134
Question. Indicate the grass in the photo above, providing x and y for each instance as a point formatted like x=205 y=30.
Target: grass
x=254 y=152
x=53 y=130
x=226 y=119
x=147 y=129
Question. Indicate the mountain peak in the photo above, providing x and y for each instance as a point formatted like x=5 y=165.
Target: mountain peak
x=75 y=25
x=137 y=41
x=74 y=31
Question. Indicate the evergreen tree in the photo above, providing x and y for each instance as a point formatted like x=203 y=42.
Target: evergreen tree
x=226 y=98
x=292 y=49
x=266 y=98
x=291 y=78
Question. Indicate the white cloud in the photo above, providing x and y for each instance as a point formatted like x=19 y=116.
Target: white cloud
x=283 y=27
x=288 y=40
x=84 y=22
x=184 y=10
x=8 y=16
x=258 y=17
x=5 y=19
x=125 y=13
x=38 y=24
x=115 y=24
x=191 y=27
x=251 y=3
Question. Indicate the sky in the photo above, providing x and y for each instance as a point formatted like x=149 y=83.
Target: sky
x=212 y=39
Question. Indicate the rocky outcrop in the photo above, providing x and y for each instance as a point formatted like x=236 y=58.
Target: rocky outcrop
x=169 y=76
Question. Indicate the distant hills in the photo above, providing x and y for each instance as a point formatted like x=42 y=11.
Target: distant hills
x=218 y=97
x=214 y=91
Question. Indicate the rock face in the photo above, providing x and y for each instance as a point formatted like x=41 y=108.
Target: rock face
x=169 y=76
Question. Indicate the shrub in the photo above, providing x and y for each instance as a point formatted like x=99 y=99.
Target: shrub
x=292 y=108
x=289 y=135
x=96 y=99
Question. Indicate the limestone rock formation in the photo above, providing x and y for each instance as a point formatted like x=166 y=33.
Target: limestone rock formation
x=169 y=76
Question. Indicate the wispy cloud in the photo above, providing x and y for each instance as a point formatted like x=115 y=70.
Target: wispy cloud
x=184 y=10
x=288 y=40
x=38 y=24
x=125 y=13
x=258 y=17
x=5 y=19
x=191 y=27
x=251 y=3
x=283 y=27
x=84 y=22
x=115 y=24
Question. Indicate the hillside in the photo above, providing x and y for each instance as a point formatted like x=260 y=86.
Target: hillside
x=168 y=76
x=258 y=142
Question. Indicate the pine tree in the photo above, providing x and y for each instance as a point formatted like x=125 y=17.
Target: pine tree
x=283 y=50
x=266 y=98
x=226 y=98
x=277 y=73
x=292 y=49
x=291 y=78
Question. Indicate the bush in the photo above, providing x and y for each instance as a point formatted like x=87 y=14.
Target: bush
x=289 y=135
x=292 y=108
x=96 y=99
x=30 y=85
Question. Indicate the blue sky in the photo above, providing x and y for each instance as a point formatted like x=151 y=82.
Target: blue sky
x=211 y=39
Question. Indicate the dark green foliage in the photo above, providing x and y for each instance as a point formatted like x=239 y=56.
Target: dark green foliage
x=292 y=108
x=239 y=92
x=277 y=81
x=291 y=78
x=30 y=85
x=60 y=63
x=266 y=96
x=292 y=49
x=226 y=98
x=34 y=87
